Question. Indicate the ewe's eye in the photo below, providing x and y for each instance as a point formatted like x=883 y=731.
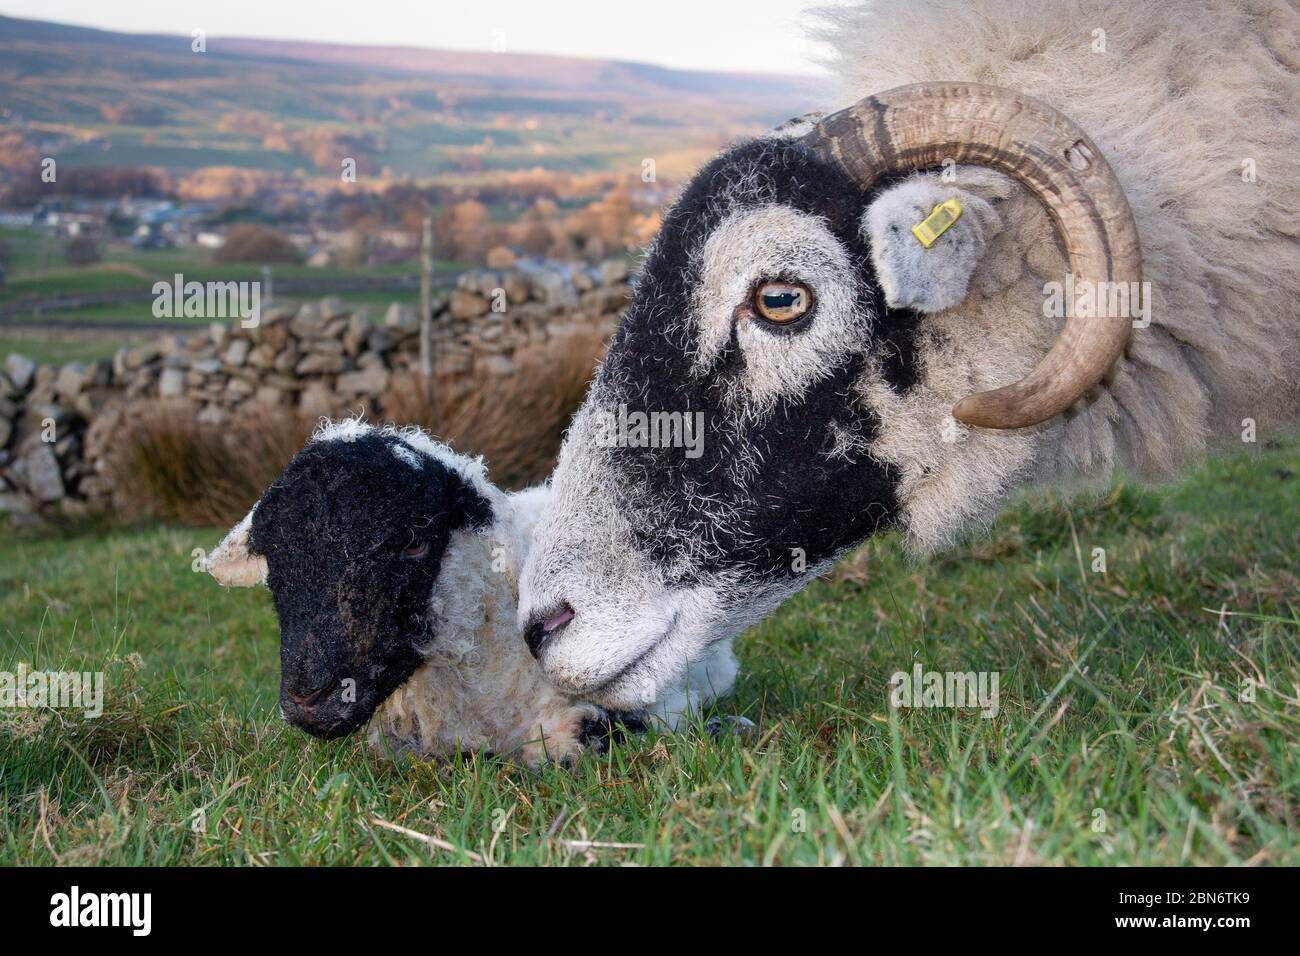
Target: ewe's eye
x=416 y=551
x=782 y=302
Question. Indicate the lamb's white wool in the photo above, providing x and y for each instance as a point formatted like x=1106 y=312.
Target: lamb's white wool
x=407 y=455
x=707 y=678
x=479 y=687
x=1193 y=104
x=528 y=506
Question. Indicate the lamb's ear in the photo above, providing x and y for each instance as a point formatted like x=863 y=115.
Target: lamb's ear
x=927 y=237
x=232 y=564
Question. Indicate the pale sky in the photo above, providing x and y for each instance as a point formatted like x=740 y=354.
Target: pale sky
x=761 y=36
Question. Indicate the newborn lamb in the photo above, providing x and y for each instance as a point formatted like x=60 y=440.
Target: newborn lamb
x=393 y=565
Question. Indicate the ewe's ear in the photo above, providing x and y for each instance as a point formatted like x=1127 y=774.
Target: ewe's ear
x=232 y=564
x=933 y=278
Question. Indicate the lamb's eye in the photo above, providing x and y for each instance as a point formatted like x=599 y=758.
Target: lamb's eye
x=782 y=302
x=416 y=551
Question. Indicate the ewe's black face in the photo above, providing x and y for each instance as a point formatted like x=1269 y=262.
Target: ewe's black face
x=353 y=534
x=755 y=317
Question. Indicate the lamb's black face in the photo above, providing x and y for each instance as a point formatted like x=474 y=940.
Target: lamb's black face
x=353 y=533
x=756 y=317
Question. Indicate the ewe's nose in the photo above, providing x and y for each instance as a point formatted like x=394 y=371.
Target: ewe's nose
x=543 y=626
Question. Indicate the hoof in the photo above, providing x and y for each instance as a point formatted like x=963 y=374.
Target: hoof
x=610 y=728
x=732 y=725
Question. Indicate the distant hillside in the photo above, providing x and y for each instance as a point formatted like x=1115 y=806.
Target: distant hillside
x=613 y=77
x=102 y=98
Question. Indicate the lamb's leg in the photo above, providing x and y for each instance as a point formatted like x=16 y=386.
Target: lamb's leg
x=562 y=734
x=611 y=728
x=727 y=724
x=569 y=730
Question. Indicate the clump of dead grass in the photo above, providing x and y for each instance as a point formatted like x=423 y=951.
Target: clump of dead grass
x=515 y=421
x=166 y=464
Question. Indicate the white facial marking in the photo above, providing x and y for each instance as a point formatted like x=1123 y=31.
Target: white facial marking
x=776 y=242
x=231 y=563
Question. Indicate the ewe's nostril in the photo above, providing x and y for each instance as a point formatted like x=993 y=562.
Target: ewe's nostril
x=542 y=629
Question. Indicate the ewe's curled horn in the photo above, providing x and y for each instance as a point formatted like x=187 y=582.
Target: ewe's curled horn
x=920 y=126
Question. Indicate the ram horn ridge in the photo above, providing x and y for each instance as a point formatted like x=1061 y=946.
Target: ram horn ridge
x=924 y=125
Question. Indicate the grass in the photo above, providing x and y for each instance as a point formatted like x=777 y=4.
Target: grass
x=1148 y=714
x=55 y=351
x=38 y=267
x=131 y=270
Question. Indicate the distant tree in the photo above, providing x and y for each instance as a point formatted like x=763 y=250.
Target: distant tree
x=602 y=227
x=6 y=253
x=247 y=242
x=407 y=204
x=358 y=215
x=89 y=182
x=81 y=251
x=132 y=114
x=535 y=238
x=462 y=231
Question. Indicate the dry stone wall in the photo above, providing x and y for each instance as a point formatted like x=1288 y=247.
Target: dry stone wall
x=56 y=422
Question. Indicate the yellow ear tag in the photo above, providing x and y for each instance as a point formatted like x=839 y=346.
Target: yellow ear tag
x=940 y=220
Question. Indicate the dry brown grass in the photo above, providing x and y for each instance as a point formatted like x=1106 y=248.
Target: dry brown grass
x=516 y=422
x=168 y=465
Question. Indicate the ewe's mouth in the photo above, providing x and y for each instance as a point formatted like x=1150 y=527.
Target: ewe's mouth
x=600 y=693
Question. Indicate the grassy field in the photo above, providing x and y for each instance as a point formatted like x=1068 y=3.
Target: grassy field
x=50 y=350
x=1147 y=714
x=38 y=271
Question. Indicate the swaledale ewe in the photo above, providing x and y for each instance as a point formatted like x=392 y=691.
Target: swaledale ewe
x=1049 y=240
x=393 y=566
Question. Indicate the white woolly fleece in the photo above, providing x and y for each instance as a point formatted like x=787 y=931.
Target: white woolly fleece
x=479 y=687
x=1187 y=96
